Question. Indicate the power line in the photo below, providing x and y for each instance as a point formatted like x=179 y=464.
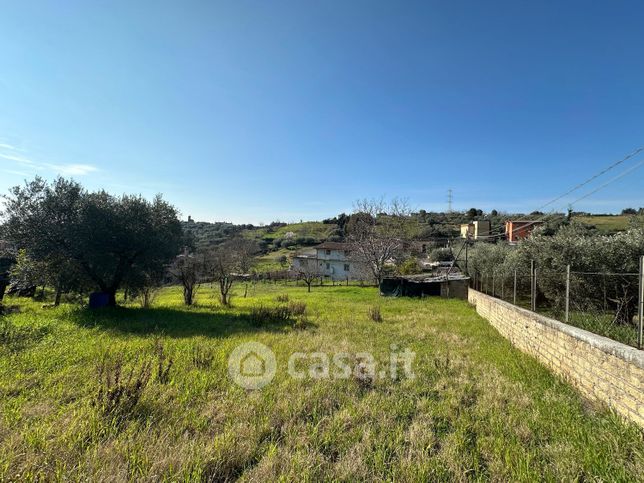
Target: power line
x=594 y=177
x=580 y=185
x=619 y=176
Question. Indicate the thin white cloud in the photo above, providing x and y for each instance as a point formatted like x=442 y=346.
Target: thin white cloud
x=8 y=152
x=18 y=173
x=16 y=158
x=73 y=169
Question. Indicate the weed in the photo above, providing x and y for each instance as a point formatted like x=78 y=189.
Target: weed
x=163 y=362
x=374 y=313
x=202 y=358
x=118 y=394
x=363 y=374
x=282 y=298
x=297 y=309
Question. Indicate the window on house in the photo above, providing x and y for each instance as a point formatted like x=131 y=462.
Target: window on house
x=328 y=265
x=328 y=252
x=346 y=267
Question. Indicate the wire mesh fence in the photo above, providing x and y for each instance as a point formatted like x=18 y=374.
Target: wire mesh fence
x=607 y=304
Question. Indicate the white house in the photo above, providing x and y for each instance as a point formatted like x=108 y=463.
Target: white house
x=332 y=260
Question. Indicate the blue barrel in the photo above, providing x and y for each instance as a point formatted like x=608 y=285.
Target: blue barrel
x=98 y=300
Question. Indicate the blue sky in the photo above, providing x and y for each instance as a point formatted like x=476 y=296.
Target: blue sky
x=255 y=111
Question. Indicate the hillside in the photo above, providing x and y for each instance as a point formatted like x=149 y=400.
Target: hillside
x=606 y=223
x=308 y=233
x=279 y=238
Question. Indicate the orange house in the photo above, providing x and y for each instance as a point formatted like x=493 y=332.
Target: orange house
x=519 y=229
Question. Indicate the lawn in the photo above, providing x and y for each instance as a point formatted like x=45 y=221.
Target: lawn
x=477 y=409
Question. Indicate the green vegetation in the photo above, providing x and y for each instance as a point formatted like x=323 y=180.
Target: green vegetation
x=603 y=283
x=293 y=235
x=606 y=223
x=477 y=409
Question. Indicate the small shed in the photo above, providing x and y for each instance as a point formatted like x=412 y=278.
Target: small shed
x=447 y=286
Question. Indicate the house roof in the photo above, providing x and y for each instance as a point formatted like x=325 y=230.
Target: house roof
x=424 y=278
x=332 y=246
x=524 y=221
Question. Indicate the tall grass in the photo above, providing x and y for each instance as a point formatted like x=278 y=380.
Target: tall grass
x=477 y=409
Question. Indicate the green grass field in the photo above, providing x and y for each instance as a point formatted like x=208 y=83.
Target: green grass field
x=477 y=409
x=605 y=222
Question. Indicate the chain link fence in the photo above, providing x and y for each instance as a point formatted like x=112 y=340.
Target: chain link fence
x=607 y=304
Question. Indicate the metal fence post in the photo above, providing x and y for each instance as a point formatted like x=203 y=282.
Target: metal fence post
x=532 y=284
x=534 y=309
x=567 y=292
x=514 y=296
x=641 y=314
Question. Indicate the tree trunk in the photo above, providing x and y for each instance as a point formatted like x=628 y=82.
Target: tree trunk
x=187 y=295
x=3 y=287
x=59 y=292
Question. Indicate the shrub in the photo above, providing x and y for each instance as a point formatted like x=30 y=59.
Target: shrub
x=118 y=394
x=441 y=255
x=374 y=313
x=282 y=298
x=297 y=309
x=263 y=315
x=408 y=267
x=293 y=312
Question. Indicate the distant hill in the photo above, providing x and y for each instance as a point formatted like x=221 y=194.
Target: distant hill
x=270 y=238
x=294 y=235
x=280 y=238
x=206 y=235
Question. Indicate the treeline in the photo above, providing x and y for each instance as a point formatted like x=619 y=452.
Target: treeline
x=62 y=236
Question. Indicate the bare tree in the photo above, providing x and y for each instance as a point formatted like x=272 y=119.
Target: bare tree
x=229 y=262
x=187 y=269
x=307 y=269
x=377 y=231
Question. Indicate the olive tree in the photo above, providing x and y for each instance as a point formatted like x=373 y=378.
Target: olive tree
x=103 y=237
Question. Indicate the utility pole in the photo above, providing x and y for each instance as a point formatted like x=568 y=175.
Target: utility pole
x=449 y=200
